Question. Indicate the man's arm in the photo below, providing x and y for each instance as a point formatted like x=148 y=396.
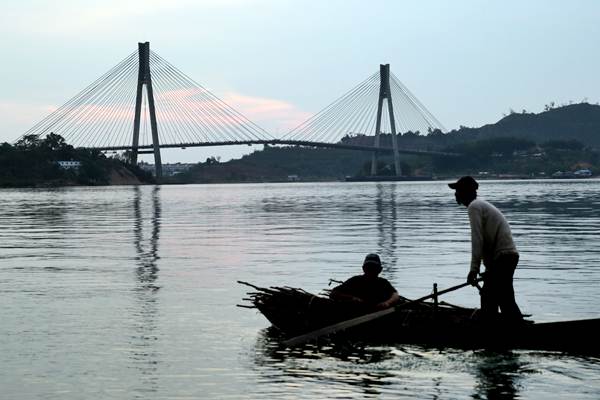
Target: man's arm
x=345 y=291
x=339 y=295
x=476 y=222
x=391 y=301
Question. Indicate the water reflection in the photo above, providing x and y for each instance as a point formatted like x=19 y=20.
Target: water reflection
x=144 y=355
x=147 y=255
x=376 y=370
x=348 y=363
x=498 y=375
x=385 y=204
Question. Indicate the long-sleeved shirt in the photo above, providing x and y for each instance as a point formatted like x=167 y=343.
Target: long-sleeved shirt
x=490 y=234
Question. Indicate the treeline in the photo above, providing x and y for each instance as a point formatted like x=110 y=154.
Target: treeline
x=33 y=161
x=562 y=138
x=579 y=122
x=504 y=155
x=495 y=156
x=277 y=164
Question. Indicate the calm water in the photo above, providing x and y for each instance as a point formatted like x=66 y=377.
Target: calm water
x=130 y=292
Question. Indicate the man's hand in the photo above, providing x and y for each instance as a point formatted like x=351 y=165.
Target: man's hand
x=383 y=305
x=472 y=278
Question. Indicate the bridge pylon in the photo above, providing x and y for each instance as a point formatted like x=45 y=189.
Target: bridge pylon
x=145 y=78
x=385 y=94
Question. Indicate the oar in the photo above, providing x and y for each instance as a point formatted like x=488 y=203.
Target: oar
x=297 y=340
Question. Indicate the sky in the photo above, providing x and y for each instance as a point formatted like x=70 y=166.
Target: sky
x=278 y=62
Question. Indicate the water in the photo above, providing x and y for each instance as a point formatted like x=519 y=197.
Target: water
x=130 y=292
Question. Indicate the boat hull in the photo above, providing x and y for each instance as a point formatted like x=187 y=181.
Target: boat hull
x=295 y=312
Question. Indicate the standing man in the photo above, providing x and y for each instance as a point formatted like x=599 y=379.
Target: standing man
x=491 y=241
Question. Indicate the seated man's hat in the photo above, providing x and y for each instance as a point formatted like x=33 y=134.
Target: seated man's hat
x=372 y=259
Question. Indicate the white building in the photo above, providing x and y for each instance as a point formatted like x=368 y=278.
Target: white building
x=583 y=173
x=69 y=164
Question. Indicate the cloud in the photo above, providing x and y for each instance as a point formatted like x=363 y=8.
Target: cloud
x=23 y=112
x=272 y=114
x=276 y=116
x=17 y=117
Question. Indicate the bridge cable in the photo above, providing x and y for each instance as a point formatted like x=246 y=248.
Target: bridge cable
x=65 y=107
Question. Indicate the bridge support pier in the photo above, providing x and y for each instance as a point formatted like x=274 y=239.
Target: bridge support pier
x=145 y=78
x=385 y=94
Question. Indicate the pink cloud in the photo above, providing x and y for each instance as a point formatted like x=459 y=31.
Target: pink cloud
x=273 y=113
x=17 y=117
x=23 y=112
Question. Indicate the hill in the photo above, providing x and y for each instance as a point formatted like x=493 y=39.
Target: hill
x=579 y=122
x=525 y=144
x=278 y=164
x=52 y=162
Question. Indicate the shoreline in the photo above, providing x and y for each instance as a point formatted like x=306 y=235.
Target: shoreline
x=55 y=185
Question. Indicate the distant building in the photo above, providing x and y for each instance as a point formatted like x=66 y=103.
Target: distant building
x=293 y=178
x=582 y=173
x=561 y=174
x=69 y=164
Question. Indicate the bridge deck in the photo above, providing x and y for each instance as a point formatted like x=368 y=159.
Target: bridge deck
x=286 y=142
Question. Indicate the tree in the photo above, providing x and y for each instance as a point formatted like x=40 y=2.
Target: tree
x=563 y=145
x=212 y=160
x=53 y=142
x=124 y=157
x=28 y=142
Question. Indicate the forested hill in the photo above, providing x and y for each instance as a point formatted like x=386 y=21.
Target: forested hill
x=35 y=161
x=579 y=122
x=565 y=138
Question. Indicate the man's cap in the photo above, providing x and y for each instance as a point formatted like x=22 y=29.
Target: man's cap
x=464 y=183
x=372 y=259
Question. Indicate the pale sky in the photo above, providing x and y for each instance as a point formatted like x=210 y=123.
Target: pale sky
x=279 y=62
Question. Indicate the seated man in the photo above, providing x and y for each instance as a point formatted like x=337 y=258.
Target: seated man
x=367 y=289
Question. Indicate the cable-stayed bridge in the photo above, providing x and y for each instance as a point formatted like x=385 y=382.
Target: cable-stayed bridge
x=145 y=103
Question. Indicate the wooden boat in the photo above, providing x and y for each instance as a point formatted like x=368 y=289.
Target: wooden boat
x=295 y=312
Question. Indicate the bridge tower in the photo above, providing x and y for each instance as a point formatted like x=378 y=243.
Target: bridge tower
x=385 y=94
x=145 y=78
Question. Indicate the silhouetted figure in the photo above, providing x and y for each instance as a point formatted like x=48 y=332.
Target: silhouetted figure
x=368 y=289
x=491 y=241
